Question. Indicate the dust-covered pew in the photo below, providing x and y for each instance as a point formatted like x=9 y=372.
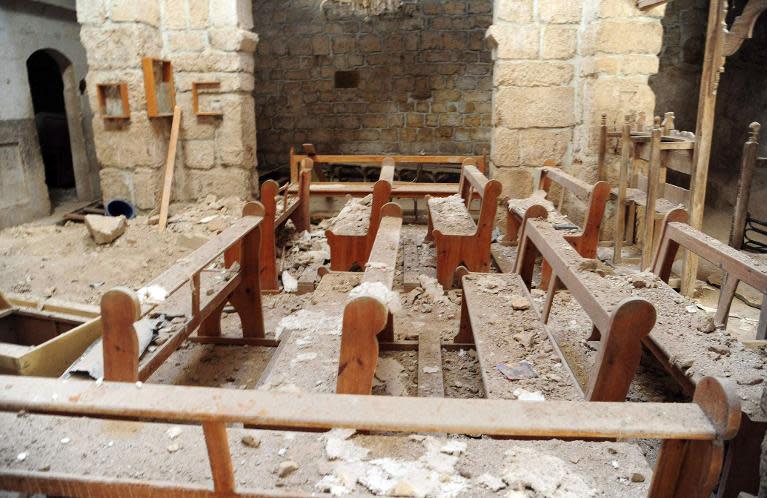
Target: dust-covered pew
x=334 y=346
x=293 y=204
x=498 y=313
x=585 y=239
x=458 y=239
x=353 y=230
x=205 y=458
x=202 y=295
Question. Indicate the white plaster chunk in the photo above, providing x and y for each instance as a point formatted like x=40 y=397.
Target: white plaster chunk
x=378 y=291
x=315 y=322
x=545 y=475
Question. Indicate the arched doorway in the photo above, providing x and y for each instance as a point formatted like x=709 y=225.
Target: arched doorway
x=44 y=70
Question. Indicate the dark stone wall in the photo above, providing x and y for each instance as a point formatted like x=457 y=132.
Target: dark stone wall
x=424 y=78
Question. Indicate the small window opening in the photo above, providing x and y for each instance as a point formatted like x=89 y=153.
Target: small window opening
x=347 y=79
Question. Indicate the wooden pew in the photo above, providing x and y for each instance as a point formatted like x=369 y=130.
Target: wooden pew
x=586 y=239
x=366 y=317
x=489 y=317
x=400 y=189
x=346 y=331
x=350 y=245
x=458 y=239
x=690 y=354
x=293 y=205
x=688 y=464
x=240 y=285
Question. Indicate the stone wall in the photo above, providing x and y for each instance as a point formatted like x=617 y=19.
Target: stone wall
x=205 y=40
x=423 y=76
x=558 y=67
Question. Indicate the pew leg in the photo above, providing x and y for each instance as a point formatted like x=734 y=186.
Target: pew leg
x=741 y=461
x=387 y=334
x=465 y=334
x=513 y=225
x=211 y=326
x=545 y=275
x=726 y=295
x=686 y=468
x=246 y=298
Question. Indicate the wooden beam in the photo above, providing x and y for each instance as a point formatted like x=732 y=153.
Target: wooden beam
x=170 y=162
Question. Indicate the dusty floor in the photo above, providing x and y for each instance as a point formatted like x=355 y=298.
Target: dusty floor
x=47 y=260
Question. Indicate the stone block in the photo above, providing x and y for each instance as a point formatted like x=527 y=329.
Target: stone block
x=619 y=36
x=236 y=137
x=146 y=188
x=343 y=44
x=212 y=61
x=320 y=45
x=115 y=46
x=198 y=13
x=221 y=182
x=621 y=8
x=145 y=11
x=369 y=43
x=116 y=184
x=534 y=107
x=91 y=11
x=232 y=13
x=233 y=40
x=532 y=73
x=623 y=95
x=185 y=41
x=559 y=12
x=514 y=10
x=105 y=229
x=199 y=154
x=504 y=150
x=559 y=41
x=174 y=14
x=517 y=182
x=544 y=147
x=514 y=41
x=138 y=143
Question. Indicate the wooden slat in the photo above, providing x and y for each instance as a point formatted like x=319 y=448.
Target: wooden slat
x=378 y=159
x=430 y=383
x=411 y=264
x=399 y=189
x=475 y=178
x=382 y=263
x=571 y=183
x=374 y=413
x=169 y=167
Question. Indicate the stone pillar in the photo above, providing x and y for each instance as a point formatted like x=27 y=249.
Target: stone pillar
x=205 y=40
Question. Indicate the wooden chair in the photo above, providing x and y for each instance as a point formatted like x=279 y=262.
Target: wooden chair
x=688 y=464
x=458 y=239
x=662 y=148
x=489 y=317
x=690 y=352
x=351 y=244
x=293 y=205
x=345 y=362
x=584 y=240
x=121 y=308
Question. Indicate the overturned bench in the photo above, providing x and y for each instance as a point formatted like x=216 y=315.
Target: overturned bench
x=458 y=239
x=354 y=229
x=293 y=205
x=202 y=293
x=691 y=456
x=349 y=315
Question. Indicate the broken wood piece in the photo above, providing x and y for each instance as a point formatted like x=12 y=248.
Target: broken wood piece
x=170 y=162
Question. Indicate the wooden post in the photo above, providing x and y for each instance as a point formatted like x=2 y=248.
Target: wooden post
x=747 y=165
x=623 y=178
x=120 y=309
x=219 y=457
x=653 y=186
x=601 y=160
x=713 y=65
x=246 y=298
x=170 y=162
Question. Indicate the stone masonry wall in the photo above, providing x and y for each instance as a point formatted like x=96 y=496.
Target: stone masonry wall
x=424 y=78
x=206 y=40
x=558 y=66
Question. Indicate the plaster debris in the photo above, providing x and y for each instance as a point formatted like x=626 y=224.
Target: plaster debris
x=519 y=302
x=173 y=432
x=105 y=229
x=453 y=447
x=172 y=448
x=430 y=370
x=544 y=475
x=307 y=320
x=153 y=294
x=431 y=287
x=289 y=282
x=491 y=482
x=21 y=456
x=524 y=395
x=390 y=374
x=378 y=291
x=338 y=446
x=286 y=468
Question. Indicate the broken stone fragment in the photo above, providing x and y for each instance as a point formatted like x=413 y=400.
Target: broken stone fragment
x=105 y=229
x=519 y=302
x=251 y=441
x=286 y=468
x=637 y=477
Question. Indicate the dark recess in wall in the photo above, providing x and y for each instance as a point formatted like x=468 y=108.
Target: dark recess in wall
x=415 y=80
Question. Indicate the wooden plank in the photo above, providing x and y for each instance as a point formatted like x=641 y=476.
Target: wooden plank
x=411 y=265
x=382 y=263
x=307 y=279
x=623 y=178
x=378 y=159
x=430 y=382
x=170 y=162
x=406 y=190
x=375 y=413
x=505 y=264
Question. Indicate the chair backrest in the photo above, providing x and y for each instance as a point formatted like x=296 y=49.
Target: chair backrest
x=474 y=182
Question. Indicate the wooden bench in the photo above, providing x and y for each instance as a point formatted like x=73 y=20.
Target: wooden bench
x=688 y=464
x=458 y=239
x=690 y=354
x=202 y=299
x=354 y=229
x=400 y=189
x=584 y=240
x=490 y=320
x=344 y=332
x=293 y=205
